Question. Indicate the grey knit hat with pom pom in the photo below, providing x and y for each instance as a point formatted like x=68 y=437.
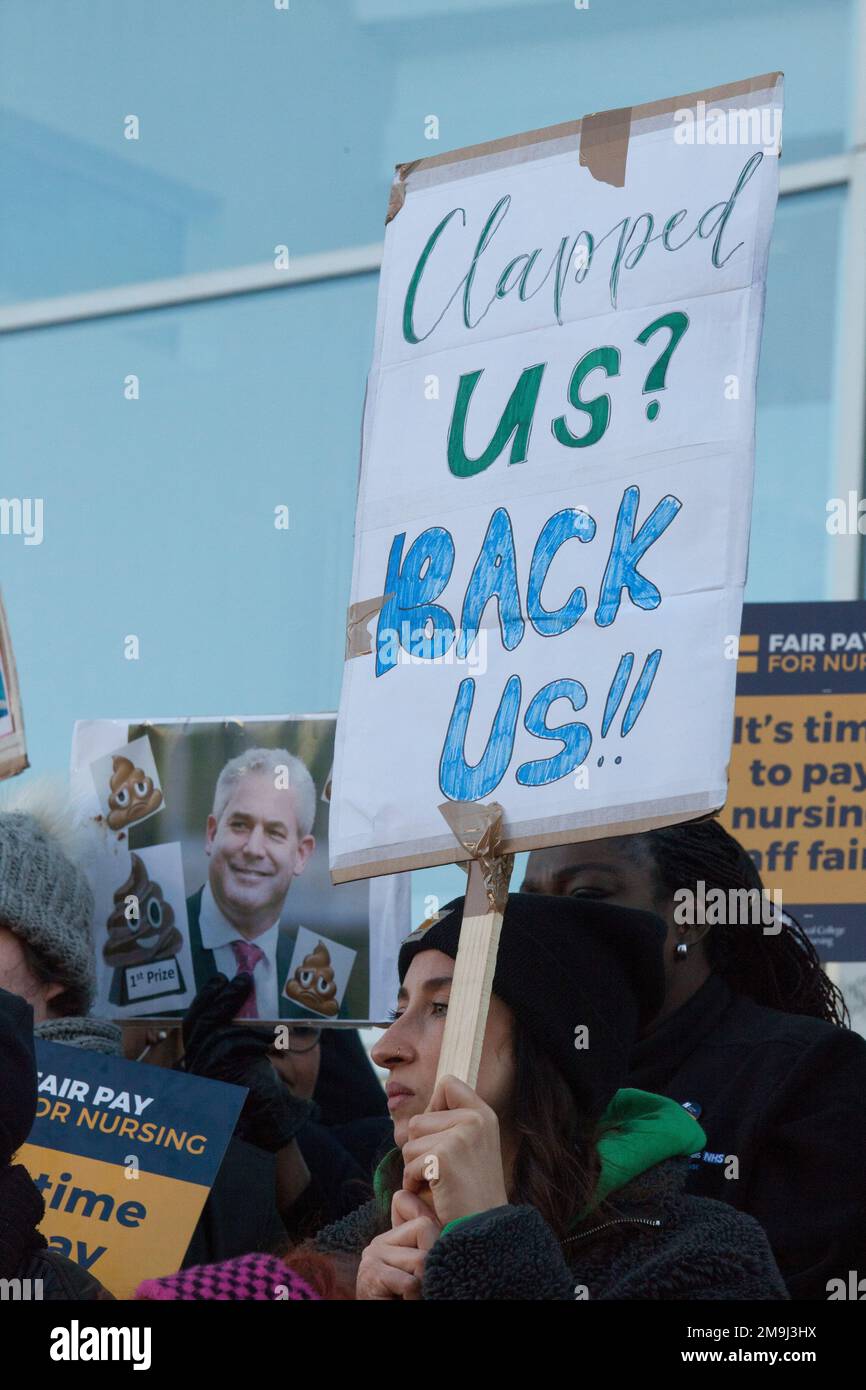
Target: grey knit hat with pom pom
x=45 y=898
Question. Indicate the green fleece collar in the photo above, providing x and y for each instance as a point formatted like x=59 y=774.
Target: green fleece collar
x=638 y=1130
x=382 y=1190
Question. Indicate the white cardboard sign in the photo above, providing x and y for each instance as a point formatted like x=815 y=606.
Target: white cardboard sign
x=556 y=482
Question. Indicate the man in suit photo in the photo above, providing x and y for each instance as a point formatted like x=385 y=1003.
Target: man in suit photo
x=258 y=840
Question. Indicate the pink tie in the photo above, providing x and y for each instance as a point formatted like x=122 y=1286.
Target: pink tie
x=247 y=956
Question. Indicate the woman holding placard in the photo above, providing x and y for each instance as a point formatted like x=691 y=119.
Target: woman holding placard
x=546 y=1181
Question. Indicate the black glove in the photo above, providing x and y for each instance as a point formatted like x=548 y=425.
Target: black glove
x=238 y=1053
x=215 y=1005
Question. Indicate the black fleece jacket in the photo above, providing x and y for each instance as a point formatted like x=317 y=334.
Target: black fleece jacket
x=786 y=1097
x=650 y=1242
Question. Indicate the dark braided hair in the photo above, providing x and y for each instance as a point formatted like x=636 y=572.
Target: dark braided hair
x=782 y=971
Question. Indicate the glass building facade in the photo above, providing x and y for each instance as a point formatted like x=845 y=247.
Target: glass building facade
x=160 y=163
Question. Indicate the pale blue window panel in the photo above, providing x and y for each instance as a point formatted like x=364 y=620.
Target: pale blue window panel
x=796 y=417
x=261 y=127
x=159 y=512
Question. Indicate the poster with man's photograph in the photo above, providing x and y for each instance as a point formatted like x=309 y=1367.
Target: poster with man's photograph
x=210 y=853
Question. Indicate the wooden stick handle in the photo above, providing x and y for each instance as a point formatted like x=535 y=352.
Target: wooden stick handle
x=473 y=980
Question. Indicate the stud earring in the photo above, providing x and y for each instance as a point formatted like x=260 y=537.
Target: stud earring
x=682 y=951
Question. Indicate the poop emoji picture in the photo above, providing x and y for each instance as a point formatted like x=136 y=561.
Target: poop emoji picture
x=127 y=784
x=143 y=941
x=312 y=984
x=318 y=974
x=133 y=795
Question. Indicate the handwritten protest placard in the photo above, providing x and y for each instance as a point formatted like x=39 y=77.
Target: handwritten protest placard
x=13 y=753
x=553 y=512
x=124 y=1156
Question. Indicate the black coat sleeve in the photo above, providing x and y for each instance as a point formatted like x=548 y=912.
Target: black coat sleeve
x=240 y=1213
x=338 y=1184
x=63 y=1280
x=807 y=1179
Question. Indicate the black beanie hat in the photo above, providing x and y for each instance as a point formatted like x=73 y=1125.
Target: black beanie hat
x=17 y=1074
x=563 y=964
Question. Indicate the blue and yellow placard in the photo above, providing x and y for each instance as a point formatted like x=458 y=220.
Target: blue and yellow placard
x=797 y=795
x=124 y=1156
